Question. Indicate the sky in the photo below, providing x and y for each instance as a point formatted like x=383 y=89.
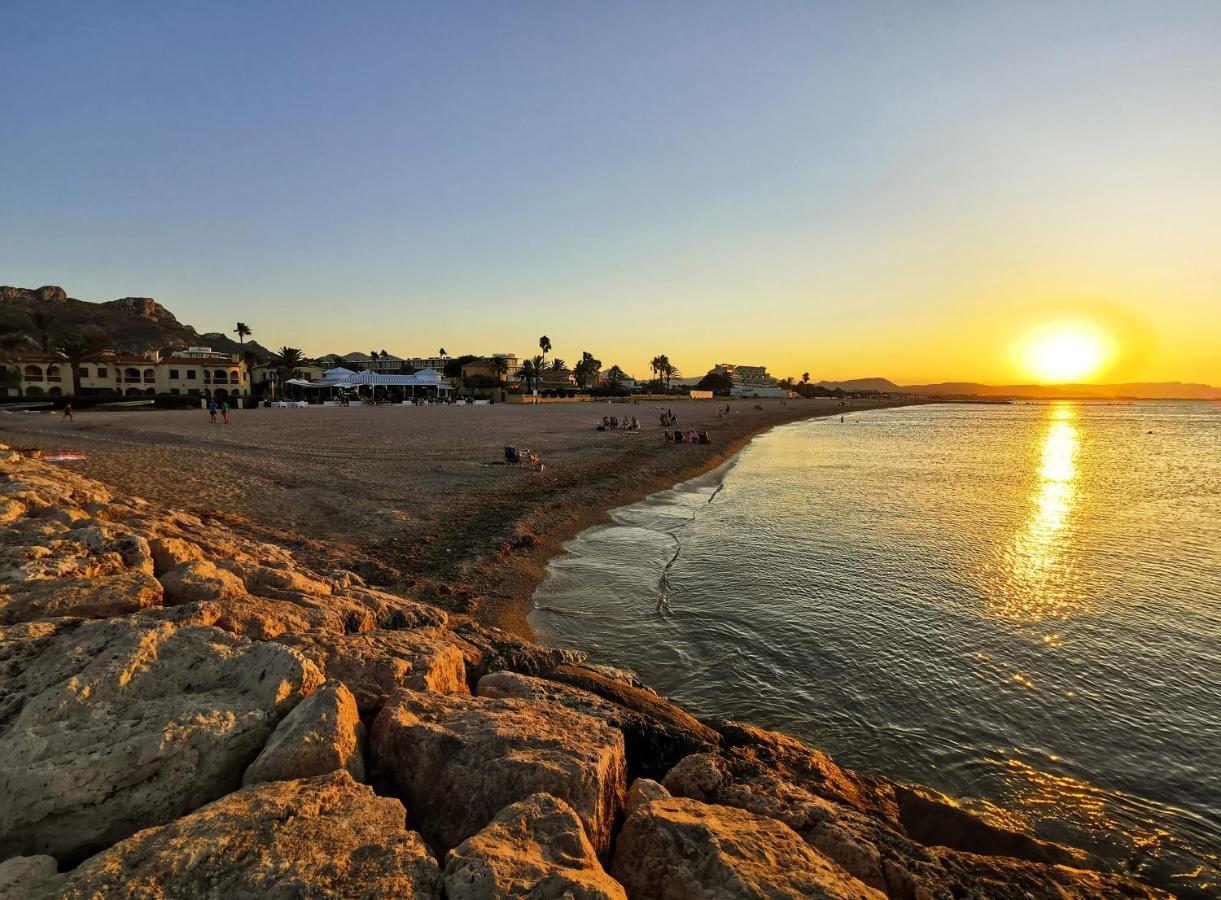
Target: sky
x=852 y=189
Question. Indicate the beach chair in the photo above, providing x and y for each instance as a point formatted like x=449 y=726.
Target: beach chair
x=512 y=457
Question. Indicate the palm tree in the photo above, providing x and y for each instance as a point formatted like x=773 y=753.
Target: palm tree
x=805 y=377
x=286 y=359
x=587 y=369
x=544 y=344
x=11 y=343
x=242 y=331
x=500 y=366
x=529 y=373
x=45 y=325
x=615 y=376
x=558 y=365
x=76 y=348
x=669 y=371
x=657 y=365
x=441 y=353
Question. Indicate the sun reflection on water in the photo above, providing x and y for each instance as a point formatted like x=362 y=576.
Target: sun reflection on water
x=1037 y=563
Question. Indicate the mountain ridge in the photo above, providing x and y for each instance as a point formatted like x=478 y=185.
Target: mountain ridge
x=135 y=324
x=1141 y=390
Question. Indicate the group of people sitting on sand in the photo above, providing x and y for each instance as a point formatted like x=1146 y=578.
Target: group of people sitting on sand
x=668 y=419
x=614 y=423
x=691 y=437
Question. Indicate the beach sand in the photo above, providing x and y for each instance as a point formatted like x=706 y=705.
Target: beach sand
x=413 y=498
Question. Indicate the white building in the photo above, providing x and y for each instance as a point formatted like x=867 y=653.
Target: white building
x=751 y=381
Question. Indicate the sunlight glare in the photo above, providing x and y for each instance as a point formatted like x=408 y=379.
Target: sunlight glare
x=1058 y=352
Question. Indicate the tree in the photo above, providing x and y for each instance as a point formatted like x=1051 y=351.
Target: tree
x=441 y=353
x=717 y=382
x=544 y=344
x=453 y=367
x=76 y=348
x=558 y=365
x=45 y=326
x=286 y=360
x=242 y=331
x=530 y=372
x=500 y=366
x=615 y=376
x=12 y=343
x=586 y=371
x=663 y=371
x=805 y=377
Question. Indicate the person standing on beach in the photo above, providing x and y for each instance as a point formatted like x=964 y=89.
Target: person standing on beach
x=224 y=411
x=212 y=410
x=67 y=412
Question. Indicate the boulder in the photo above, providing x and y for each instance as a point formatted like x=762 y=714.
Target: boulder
x=171 y=552
x=934 y=821
x=321 y=734
x=107 y=727
x=854 y=820
x=491 y=649
x=641 y=791
x=200 y=581
x=535 y=848
x=458 y=760
x=99 y=597
x=25 y=876
x=657 y=734
x=316 y=837
x=686 y=849
x=376 y=664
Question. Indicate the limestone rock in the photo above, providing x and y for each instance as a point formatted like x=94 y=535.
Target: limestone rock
x=107 y=727
x=686 y=849
x=198 y=581
x=376 y=664
x=534 y=848
x=316 y=837
x=321 y=734
x=171 y=552
x=24 y=876
x=933 y=821
x=459 y=760
x=92 y=598
x=641 y=791
x=854 y=820
x=491 y=649
x=657 y=734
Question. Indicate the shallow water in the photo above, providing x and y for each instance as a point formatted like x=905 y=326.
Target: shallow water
x=1017 y=605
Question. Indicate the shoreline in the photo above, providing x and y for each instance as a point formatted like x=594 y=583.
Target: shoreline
x=524 y=567
x=186 y=600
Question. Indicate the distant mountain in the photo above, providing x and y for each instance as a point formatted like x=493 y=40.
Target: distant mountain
x=1169 y=390
x=129 y=323
x=884 y=385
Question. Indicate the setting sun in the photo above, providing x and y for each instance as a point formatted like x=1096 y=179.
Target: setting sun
x=1064 y=351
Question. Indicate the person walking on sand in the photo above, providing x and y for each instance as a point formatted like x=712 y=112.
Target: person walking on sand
x=212 y=410
x=224 y=411
x=67 y=412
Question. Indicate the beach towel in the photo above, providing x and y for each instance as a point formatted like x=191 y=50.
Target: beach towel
x=62 y=457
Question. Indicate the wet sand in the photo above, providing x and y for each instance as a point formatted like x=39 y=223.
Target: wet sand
x=414 y=498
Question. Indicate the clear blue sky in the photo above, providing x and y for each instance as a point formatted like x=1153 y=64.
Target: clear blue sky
x=850 y=189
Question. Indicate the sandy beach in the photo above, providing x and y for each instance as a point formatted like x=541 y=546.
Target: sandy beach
x=416 y=499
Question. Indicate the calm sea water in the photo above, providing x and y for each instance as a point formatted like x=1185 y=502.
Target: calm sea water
x=1017 y=605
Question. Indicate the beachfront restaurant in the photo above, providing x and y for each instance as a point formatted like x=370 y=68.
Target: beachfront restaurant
x=340 y=383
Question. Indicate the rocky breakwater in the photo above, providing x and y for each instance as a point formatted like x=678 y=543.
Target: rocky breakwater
x=187 y=713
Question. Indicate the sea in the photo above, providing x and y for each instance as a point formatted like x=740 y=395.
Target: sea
x=1017 y=605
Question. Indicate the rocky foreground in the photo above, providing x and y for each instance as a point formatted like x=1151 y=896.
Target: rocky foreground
x=187 y=713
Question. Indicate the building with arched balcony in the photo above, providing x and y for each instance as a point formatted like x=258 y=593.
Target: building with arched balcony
x=196 y=371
